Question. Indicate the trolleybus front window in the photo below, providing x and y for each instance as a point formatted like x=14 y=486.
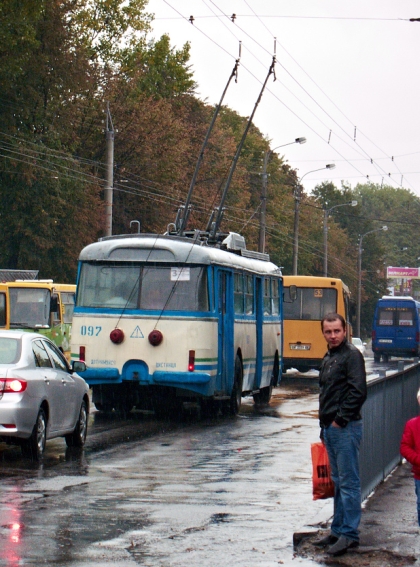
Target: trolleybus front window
x=148 y=287
x=174 y=288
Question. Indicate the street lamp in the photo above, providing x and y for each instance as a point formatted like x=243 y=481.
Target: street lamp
x=297 y=195
x=326 y=213
x=267 y=154
x=301 y=140
x=359 y=276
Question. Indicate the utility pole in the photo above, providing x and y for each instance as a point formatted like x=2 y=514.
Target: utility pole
x=109 y=176
x=297 y=195
x=261 y=242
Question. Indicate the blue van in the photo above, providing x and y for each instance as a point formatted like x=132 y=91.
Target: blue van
x=396 y=328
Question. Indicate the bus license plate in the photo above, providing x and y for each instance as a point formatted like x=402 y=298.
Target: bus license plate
x=300 y=347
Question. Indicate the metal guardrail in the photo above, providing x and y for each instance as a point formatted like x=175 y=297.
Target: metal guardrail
x=391 y=401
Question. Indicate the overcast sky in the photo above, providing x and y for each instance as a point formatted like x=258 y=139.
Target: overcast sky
x=347 y=78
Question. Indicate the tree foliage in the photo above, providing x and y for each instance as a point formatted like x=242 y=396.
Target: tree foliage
x=378 y=206
x=63 y=64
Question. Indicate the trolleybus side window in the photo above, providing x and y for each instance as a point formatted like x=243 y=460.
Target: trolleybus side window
x=249 y=294
x=275 y=296
x=311 y=304
x=267 y=296
x=238 y=293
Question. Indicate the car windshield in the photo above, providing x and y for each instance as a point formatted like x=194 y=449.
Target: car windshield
x=9 y=350
x=357 y=341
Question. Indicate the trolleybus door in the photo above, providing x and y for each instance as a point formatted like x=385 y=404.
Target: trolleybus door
x=225 y=365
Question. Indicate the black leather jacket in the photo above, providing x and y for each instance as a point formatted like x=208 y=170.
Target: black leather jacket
x=342 y=382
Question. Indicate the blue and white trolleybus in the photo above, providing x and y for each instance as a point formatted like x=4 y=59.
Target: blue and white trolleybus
x=163 y=319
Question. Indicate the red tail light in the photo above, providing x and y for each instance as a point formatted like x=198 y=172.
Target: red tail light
x=82 y=353
x=191 y=361
x=373 y=335
x=155 y=337
x=12 y=385
x=117 y=336
x=417 y=337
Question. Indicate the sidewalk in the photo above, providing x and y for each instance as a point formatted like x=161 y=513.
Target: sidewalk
x=389 y=534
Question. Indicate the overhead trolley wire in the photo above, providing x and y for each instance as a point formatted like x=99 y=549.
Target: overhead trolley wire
x=368 y=158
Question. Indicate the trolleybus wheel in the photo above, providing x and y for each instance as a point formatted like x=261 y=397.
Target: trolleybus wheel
x=377 y=357
x=385 y=358
x=236 y=395
x=264 y=395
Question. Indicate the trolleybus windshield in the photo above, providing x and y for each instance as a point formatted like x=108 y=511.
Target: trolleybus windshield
x=148 y=287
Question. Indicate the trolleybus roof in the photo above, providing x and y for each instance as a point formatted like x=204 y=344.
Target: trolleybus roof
x=172 y=249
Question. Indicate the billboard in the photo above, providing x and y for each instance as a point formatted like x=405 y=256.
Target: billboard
x=412 y=273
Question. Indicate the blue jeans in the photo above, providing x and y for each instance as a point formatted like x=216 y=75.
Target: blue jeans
x=343 y=451
x=417 y=487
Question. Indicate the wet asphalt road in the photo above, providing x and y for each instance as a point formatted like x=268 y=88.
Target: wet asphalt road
x=166 y=493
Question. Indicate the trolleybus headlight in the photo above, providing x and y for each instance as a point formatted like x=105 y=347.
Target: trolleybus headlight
x=117 y=336
x=155 y=337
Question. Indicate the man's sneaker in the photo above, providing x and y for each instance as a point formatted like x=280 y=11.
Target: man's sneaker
x=342 y=545
x=325 y=541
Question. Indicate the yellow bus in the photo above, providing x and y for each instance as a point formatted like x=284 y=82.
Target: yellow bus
x=39 y=305
x=306 y=299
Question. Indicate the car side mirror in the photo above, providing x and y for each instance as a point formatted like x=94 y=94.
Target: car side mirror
x=78 y=366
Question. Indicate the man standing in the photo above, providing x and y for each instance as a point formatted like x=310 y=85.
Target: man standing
x=342 y=381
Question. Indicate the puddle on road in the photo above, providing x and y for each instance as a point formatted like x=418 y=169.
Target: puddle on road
x=227 y=491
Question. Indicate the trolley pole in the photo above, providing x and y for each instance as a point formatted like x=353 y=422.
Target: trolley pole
x=109 y=180
x=261 y=242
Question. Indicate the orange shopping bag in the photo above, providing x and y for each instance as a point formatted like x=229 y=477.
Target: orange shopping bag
x=322 y=484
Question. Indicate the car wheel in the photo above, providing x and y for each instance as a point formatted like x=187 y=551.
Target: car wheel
x=35 y=445
x=78 y=437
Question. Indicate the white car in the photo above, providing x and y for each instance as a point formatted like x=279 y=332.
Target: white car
x=41 y=396
x=358 y=343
